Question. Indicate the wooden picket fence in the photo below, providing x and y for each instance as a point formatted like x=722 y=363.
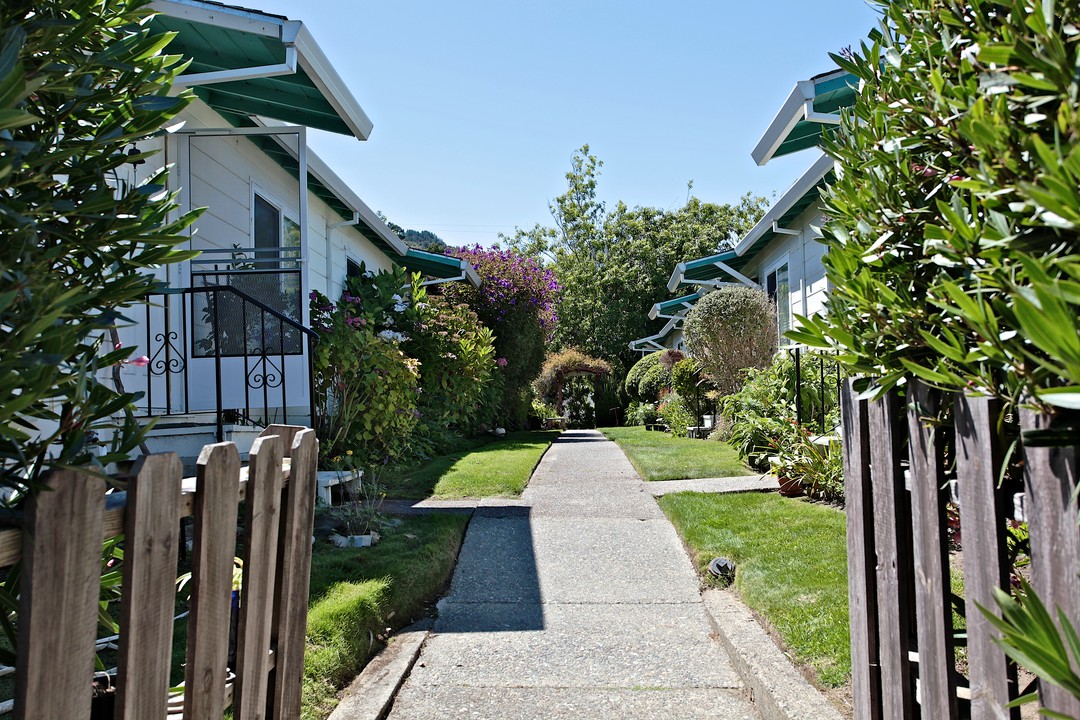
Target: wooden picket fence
x=896 y=472
x=60 y=549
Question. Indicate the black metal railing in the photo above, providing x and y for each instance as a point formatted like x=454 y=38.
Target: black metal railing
x=247 y=342
x=817 y=387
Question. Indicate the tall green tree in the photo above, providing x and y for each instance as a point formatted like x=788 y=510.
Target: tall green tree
x=613 y=265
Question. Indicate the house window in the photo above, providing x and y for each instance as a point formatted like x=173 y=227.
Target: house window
x=352 y=268
x=276 y=236
x=776 y=285
x=270 y=276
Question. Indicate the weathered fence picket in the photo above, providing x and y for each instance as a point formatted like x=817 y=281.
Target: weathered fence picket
x=1050 y=479
x=929 y=498
x=983 y=518
x=892 y=515
x=60 y=551
x=862 y=559
x=902 y=634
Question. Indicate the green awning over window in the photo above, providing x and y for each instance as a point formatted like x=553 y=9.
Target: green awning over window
x=676 y=306
x=281 y=72
x=792 y=130
x=439 y=266
x=782 y=215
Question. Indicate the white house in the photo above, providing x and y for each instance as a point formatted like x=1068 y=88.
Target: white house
x=228 y=341
x=781 y=253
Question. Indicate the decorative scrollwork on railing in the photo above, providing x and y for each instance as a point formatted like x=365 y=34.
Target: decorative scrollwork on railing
x=173 y=362
x=264 y=373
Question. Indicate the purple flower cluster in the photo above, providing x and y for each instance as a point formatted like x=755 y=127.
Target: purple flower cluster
x=512 y=282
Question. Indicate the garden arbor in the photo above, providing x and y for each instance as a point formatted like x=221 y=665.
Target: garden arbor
x=562 y=368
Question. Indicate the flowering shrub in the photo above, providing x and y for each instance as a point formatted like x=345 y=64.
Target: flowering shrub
x=366 y=388
x=517 y=301
x=398 y=370
x=676 y=414
x=456 y=354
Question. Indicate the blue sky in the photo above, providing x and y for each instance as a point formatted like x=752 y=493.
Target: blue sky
x=478 y=105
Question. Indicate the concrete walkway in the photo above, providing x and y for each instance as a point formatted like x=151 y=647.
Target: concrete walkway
x=577 y=601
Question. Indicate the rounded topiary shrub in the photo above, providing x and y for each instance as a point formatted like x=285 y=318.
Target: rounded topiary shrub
x=638 y=370
x=652 y=382
x=729 y=331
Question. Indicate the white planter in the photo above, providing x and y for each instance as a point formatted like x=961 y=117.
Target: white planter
x=354 y=540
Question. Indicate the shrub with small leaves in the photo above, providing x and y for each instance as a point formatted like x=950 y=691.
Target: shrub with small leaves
x=729 y=331
x=81 y=82
x=954 y=230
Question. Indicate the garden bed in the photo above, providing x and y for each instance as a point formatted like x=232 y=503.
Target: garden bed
x=659 y=456
x=360 y=595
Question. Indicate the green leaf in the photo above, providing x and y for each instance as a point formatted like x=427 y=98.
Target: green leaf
x=1064 y=397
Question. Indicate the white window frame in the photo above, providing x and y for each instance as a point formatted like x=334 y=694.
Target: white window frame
x=781 y=261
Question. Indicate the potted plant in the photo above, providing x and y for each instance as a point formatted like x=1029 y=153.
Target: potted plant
x=356 y=524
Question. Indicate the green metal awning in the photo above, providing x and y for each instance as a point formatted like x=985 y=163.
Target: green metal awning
x=776 y=222
x=811 y=107
x=245 y=62
x=677 y=306
x=655 y=342
x=441 y=267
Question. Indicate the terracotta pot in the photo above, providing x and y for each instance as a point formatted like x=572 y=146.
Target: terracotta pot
x=790 y=488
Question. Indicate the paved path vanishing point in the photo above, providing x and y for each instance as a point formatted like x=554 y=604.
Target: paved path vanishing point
x=576 y=601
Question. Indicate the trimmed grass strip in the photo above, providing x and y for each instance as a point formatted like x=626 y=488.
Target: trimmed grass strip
x=500 y=468
x=791 y=567
x=660 y=456
x=358 y=594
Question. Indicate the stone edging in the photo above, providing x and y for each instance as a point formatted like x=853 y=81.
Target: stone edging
x=778 y=690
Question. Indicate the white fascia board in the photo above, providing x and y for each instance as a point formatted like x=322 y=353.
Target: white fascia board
x=676 y=277
x=654 y=311
x=470 y=274
x=222 y=16
x=671 y=325
x=800 y=187
x=322 y=172
x=310 y=56
x=326 y=78
x=791 y=112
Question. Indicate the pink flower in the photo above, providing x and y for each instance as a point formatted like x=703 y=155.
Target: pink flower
x=141 y=361
x=501 y=362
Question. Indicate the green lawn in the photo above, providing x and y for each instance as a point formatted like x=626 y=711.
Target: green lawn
x=791 y=567
x=659 y=456
x=358 y=593
x=499 y=468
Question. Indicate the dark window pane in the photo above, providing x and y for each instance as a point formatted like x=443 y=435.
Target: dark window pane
x=267 y=232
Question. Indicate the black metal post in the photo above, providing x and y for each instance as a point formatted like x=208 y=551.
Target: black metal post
x=821 y=368
x=798 y=386
x=217 y=367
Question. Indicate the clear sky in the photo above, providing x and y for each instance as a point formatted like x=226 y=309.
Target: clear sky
x=478 y=105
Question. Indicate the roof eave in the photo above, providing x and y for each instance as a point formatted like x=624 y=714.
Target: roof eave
x=326 y=78
x=798 y=189
x=676 y=277
x=310 y=56
x=791 y=112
